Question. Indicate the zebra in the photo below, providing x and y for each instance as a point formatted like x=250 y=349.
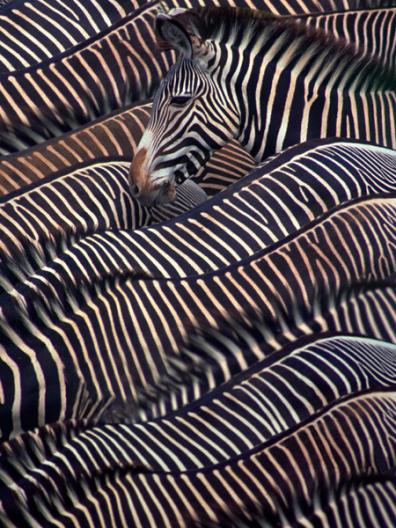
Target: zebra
x=258 y=79
x=59 y=79
x=370 y=30
x=119 y=133
x=183 y=470
x=37 y=124
x=73 y=203
x=211 y=350
x=85 y=297
x=298 y=186
x=95 y=313
x=70 y=89
x=112 y=136
x=34 y=32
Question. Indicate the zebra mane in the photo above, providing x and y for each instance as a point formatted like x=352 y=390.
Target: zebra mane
x=221 y=24
x=213 y=22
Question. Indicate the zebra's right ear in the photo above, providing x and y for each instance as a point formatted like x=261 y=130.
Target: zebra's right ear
x=172 y=35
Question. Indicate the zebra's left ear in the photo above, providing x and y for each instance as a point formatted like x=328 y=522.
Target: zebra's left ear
x=172 y=35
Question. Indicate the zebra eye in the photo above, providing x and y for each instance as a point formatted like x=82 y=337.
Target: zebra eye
x=179 y=178
x=180 y=100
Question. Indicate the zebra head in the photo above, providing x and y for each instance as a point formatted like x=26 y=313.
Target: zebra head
x=191 y=114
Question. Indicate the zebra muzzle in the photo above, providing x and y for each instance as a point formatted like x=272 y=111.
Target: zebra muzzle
x=138 y=174
x=143 y=188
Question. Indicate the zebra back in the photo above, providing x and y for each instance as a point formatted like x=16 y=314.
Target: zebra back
x=102 y=74
x=341 y=440
x=91 y=296
x=27 y=122
x=32 y=33
x=280 y=97
x=272 y=202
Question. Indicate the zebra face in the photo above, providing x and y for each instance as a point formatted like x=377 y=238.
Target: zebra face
x=191 y=117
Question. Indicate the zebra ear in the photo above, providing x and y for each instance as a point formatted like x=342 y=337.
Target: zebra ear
x=172 y=35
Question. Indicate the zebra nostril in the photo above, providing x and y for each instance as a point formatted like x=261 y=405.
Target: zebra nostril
x=134 y=190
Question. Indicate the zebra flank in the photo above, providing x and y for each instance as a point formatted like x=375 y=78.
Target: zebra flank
x=309 y=359
x=299 y=185
x=197 y=263
x=33 y=32
x=240 y=489
x=115 y=135
x=96 y=77
x=75 y=288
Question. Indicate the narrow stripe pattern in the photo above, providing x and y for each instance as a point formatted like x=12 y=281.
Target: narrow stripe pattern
x=260 y=80
x=110 y=137
x=272 y=202
x=96 y=77
x=227 y=359
x=301 y=476
x=369 y=30
x=86 y=310
x=34 y=32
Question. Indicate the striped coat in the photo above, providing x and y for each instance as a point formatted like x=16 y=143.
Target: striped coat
x=258 y=79
x=116 y=135
x=95 y=77
x=95 y=304
x=75 y=202
x=305 y=438
x=119 y=134
x=35 y=32
x=43 y=70
x=370 y=30
x=232 y=366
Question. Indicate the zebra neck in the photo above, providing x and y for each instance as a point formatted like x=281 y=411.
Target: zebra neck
x=282 y=85
x=287 y=43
